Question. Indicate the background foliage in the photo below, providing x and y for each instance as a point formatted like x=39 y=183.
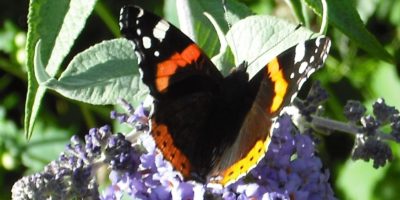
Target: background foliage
x=350 y=73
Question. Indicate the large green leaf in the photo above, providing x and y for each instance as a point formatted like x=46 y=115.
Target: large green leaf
x=102 y=74
x=57 y=23
x=258 y=39
x=344 y=16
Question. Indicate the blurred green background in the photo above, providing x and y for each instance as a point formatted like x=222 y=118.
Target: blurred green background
x=349 y=73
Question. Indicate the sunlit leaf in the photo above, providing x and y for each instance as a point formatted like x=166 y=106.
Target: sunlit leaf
x=258 y=39
x=102 y=74
x=57 y=24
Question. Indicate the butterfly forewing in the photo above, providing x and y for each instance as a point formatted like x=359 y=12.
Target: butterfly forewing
x=167 y=56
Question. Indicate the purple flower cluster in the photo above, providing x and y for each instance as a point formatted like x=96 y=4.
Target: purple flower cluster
x=310 y=105
x=370 y=143
x=72 y=175
x=290 y=169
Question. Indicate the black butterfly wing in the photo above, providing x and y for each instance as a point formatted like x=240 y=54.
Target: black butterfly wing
x=183 y=82
x=166 y=55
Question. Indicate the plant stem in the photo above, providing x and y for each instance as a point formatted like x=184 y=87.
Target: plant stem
x=330 y=124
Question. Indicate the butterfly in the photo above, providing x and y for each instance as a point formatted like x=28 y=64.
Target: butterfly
x=211 y=127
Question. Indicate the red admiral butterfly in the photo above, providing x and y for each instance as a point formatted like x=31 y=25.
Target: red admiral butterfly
x=209 y=126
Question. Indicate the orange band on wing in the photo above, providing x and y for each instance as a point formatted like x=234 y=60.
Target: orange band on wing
x=168 y=67
x=244 y=165
x=280 y=84
x=166 y=145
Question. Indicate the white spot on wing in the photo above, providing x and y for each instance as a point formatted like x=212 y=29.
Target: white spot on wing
x=146 y=42
x=303 y=67
x=311 y=71
x=324 y=57
x=312 y=59
x=328 y=46
x=294 y=95
x=160 y=30
x=140 y=14
x=318 y=41
x=292 y=75
x=300 y=52
x=138 y=31
x=301 y=82
x=156 y=53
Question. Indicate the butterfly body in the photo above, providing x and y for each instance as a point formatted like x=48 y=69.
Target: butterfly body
x=208 y=126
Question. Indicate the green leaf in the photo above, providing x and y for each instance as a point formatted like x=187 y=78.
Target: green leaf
x=299 y=11
x=224 y=59
x=350 y=176
x=388 y=186
x=58 y=23
x=11 y=140
x=108 y=18
x=395 y=14
x=384 y=83
x=258 y=39
x=102 y=74
x=344 y=16
x=170 y=12
x=44 y=147
x=193 y=22
x=7 y=35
